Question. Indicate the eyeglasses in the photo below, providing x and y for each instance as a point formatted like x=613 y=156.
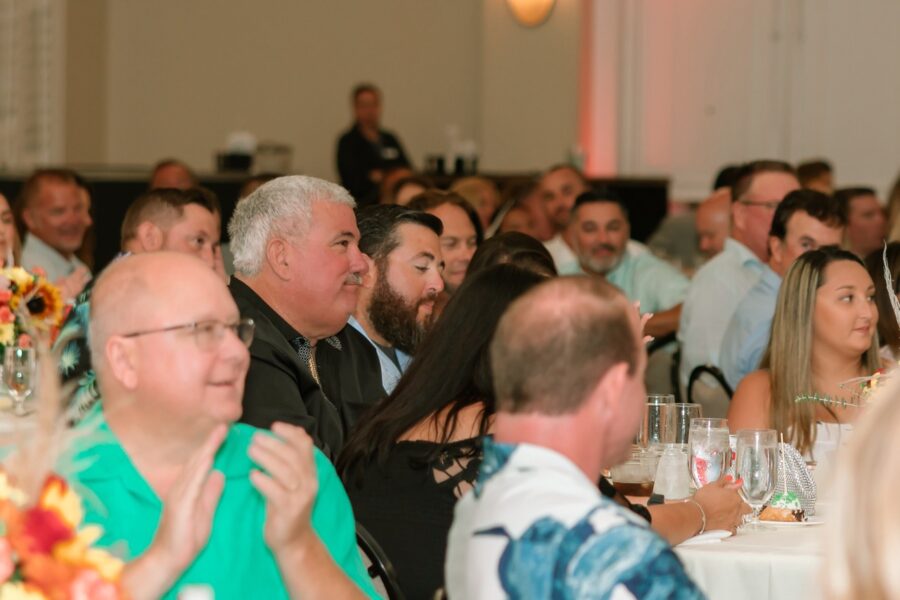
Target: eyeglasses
x=207 y=334
x=771 y=205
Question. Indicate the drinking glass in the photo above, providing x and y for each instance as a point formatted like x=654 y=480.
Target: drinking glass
x=18 y=374
x=708 y=441
x=660 y=399
x=656 y=427
x=756 y=464
x=684 y=413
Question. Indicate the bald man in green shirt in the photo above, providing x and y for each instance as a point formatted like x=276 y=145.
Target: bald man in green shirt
x=183 y=493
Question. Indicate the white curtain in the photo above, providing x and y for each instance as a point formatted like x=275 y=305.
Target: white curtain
x=32 y=70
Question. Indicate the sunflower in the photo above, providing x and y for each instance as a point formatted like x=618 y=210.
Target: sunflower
x=45 y=304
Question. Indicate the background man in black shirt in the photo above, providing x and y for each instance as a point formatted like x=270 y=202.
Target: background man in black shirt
x=366 y=151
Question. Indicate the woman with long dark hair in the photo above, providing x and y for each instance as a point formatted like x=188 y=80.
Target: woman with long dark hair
x=417 y=451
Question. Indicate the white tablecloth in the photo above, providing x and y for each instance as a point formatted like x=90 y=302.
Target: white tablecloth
x=772 y=564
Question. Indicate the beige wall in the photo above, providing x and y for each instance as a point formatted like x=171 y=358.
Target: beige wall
x=173 y=78
x=529 y=82
x=182 y=75
x=85 y=104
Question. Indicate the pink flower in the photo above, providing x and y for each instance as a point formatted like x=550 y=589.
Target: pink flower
x=6 y=560
x=88 y=585
x=24 y=339
x=6 y=315
x=40 y=272
x=5 y=295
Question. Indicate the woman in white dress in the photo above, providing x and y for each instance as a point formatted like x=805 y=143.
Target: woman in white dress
x=823 y=334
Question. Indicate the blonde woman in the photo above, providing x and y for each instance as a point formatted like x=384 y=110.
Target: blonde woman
x=863 y=530
x=823 y=334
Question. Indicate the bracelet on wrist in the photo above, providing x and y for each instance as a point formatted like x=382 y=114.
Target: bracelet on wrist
x=702 y=515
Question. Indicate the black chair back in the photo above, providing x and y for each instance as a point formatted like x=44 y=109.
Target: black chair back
x=379 y=567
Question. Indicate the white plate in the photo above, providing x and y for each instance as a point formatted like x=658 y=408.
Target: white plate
x=814 y=520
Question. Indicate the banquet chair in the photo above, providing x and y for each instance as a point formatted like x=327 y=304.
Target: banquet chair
x=378 y=565
x=707 y=387
x=662 y=366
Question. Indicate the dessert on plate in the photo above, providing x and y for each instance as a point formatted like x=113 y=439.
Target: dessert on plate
x=783 y=507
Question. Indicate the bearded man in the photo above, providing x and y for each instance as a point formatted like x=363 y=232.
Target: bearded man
x=600 y=231
x=396 y=301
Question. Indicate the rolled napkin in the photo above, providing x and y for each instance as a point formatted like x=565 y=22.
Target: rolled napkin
x=712 y=536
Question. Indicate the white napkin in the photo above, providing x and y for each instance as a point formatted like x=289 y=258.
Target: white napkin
x=712 y=536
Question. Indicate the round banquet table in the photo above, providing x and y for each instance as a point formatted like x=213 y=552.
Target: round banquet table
x=773 y=563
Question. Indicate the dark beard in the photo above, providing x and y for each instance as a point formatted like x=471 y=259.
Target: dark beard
x=394 y=319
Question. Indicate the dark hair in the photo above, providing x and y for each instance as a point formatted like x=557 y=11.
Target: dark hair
x=172 y=162
x=847 y=195
x=431 y=199
x=515 y=248
x=748 y=172
x=726 y=176
x=888 y=328
x=420 y=180
x=450 y=371
x=378 y=225
x=812 y=169
x=819 y=206
x=362 y=88
x=569 y=167
x=161 y=204
x=599 y=196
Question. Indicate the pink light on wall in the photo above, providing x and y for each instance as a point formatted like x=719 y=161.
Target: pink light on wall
x=598 y=87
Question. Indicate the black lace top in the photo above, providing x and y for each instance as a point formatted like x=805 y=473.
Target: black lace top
x=407 y=506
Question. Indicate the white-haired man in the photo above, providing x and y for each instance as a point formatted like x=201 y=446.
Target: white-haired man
x=188 y=496
x=298 y=269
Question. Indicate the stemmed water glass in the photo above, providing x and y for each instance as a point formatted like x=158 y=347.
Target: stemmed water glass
x=19 y=368
x=710 y=451
x=756 y=464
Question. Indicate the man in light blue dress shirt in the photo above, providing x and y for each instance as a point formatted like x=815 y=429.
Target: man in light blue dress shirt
x=600 y=231
x=805 y=220
x=396 y=300
x=56 y=210
x=720 y=284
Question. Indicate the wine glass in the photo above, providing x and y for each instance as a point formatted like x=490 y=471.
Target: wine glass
x=710 y=451
x=18 y=374
x=756 y=465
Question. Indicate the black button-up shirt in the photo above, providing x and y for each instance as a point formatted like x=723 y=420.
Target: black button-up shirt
x=280 y=383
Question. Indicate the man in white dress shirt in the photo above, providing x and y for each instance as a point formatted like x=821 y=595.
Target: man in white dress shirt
x=558 y=188
x=568 y=367
x=720 y=284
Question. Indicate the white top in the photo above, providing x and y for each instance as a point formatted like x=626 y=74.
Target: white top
x=715 y=292
x=830 y=438
x=36 y=253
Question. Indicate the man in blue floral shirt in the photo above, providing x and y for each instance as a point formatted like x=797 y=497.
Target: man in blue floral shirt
x=568 y=367
x=187 y=221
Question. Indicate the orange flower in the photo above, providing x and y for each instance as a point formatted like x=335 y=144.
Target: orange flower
x=43 y=529
x=5 y=296
x=6 y=315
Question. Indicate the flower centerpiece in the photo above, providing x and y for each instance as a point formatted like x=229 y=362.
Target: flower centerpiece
x=46 y=552
x=28 y=303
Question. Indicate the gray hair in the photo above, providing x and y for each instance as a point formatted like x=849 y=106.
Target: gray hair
x=282 y=207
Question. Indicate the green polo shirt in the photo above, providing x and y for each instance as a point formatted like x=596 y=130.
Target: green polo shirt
x=236 y=561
